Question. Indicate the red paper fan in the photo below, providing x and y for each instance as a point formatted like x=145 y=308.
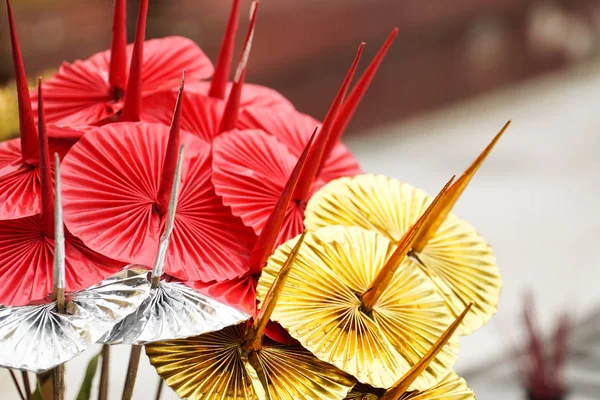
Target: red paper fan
x=27 y=248
x=91 y=92
x=251 y=169
x=20 y=191
x=252 y=96
x=293 y=129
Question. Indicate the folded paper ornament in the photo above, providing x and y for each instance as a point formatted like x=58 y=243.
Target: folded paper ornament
x=239 y=363
x=454 y=256
x=51 y=331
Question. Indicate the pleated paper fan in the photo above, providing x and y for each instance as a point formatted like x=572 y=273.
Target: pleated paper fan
x=112 y=203
x=457 y=258
x=20 y=187
x=321 y=306
x=253 y=95
x=238 y=292
x=202 y=115
x=293 y=129
x=90 y=92
x=251 y=169
x=452 y=387
x=239 y=363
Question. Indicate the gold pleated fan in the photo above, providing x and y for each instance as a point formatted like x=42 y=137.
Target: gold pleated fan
x=452 y=387
x=321 y=307
x=454 y=256
x=236 y=363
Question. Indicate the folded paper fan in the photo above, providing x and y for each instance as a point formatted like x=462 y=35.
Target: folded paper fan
x=251 y=169
x=20 y=189
x=172 y=310
x=117 y=204
x=252 y=96
x=49 y=332
x=93 y=91
x=451 y=252
x=354 y=288
x=238 y=363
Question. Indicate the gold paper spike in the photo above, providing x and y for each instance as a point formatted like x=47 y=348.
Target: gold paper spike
x=321 y=307
x=237 y=363
x=456 y=257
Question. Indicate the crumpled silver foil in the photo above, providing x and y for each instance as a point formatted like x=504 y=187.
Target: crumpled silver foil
x=173 y=311
x=37 y=338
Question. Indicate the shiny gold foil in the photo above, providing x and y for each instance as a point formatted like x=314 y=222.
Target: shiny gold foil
x=215 y=366
x=457 y=259
x=452 y=387
x=321 y=307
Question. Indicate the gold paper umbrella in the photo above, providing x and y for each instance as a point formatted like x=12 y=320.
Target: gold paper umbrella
x=450 y=251
x=354 y=301
x=239 y=363
x=452 y=387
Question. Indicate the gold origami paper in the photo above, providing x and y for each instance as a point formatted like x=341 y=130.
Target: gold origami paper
x=452 y=387
x=321 y=307
x=457 y=259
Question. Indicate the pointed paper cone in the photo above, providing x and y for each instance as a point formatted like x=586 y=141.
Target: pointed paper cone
x=452 y=387
x=79 y=93
x=294 y=130
x=321 y=307
x=251 y=169
x=202 y=115
x=211 y=366
x=20 y=191
x=173 y=311
x=457 y=258
x=111 y=179
x=37 y=338
x=26 y=260
x=252 y=96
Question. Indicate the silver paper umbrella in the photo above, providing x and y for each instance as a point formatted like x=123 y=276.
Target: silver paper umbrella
x=172 y=310
x=43 y=335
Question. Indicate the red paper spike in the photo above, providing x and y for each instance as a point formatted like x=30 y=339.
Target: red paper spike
x=170 y=162
x=111 y=179
x=356 y=95
x=27 y=123
x=47 y=217
x=232 y=109
x=309 y=174
x=117 y=76
x=133 y=95
x=293 y=129
x=223 y=67
x=270 y=232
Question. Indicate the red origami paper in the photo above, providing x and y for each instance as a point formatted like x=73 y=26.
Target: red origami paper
x=20 y=187
x=241 y=292
x=27 y=248
x=116 y=183
x=93 y=91
x=251 y=169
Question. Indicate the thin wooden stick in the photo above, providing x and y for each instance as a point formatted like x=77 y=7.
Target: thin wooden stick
x=134 y=363
x=16 y=382
x=159 y=388
x=59 y=382
x=104 y=372
x=27 y=385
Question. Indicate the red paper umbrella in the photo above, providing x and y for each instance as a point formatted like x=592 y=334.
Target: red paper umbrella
x=251 y=169
x=95 y=91
x=20 y=188
x=116 y=188
x=27 y=247
x=293 y=128
x=241 y=292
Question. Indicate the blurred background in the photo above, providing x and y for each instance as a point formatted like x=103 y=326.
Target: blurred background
x=456 y=73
